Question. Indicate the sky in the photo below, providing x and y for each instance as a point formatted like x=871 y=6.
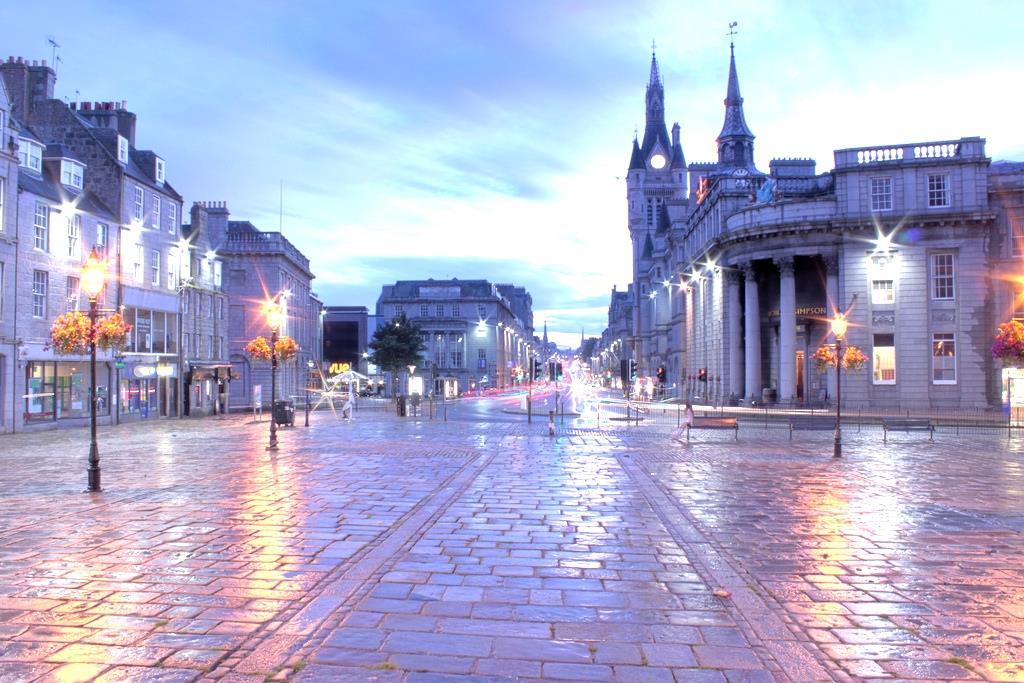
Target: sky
x=489 y=138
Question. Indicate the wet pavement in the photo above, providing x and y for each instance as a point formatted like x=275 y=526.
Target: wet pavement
x=386 y=549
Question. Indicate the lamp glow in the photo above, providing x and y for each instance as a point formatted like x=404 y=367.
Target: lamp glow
x=275 y=316
x=93 y=276
x=839 y=325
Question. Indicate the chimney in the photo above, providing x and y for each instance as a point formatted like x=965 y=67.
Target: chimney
x=215 y=220
x=28 y=84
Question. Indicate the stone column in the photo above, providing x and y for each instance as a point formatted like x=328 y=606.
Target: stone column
x=832 y=304
x=734 y=335
x=753 y=333
x=787 y=329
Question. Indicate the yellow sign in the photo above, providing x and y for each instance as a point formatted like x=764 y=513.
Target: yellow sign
x=338 y=368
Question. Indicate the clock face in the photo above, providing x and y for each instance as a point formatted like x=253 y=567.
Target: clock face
x=740 y=172
x=658 y=161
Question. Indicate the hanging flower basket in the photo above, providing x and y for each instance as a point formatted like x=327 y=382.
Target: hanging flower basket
x=112 y=332
x=287 y=348
x=1009 y=344
x=259 y=349
x=70 y=333
x=825 y=358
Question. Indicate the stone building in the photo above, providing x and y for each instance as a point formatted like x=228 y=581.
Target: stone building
x=614 y=349
x=346 y=337
x=8 y=259
x=258 y=266
x=136 y=216
x=477 y=334
x=737 y=271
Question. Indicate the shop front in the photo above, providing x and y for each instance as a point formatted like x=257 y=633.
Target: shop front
x=59 y=390
x=206 y=389
x=148 y=387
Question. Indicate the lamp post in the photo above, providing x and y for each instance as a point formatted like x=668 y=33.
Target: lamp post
x=272 y=309
x=93 y=277
x=838 y=324
x=309 y=381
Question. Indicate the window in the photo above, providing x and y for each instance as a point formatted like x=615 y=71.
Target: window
x=139 y=199
x=217 y=350
x=74 y=236
x=650 y=213
x=101 y=237
x=938 y=190
x=41 y=227
x=172 y=268
x=30 y=154
x=196 y=338
x=122 y=149
x=481 y=310
x=1016 y=230
x=440 y=310
x=424 y=310
x=481 y=359
x=884 y=361
x=455 y=310
x=137 y=266
x=186 y=297
x=399 y=309
x=40 y=283
x=74 y=291
x=943 y=358
x=456 y=359
x=156 y=212
x=185 y=339
x=881 y=194
x=209 y=306
x=942 y=276
x=71 y=173
x=160 y=170
x=882 y=292
x=154 y=267
x=172 y=217
x=3 y=189
x=209 y=346
x=1 y=290
x=220 y=309
x=218 y=274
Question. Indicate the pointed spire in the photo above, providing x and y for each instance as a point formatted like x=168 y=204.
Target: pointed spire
x=636 y=159
x=655 y=80
x=678 y=160
x=655 y=130
x=545 y=333
x=735 y=142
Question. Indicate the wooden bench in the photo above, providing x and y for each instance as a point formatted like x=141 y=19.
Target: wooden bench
x=714 y=423
x=819 y=423
x=907 y=424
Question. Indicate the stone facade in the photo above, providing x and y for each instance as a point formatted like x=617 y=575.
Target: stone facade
x=477 y=334
x=737 y=271
x=258 y=266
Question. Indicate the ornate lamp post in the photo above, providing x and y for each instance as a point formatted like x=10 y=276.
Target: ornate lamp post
x=272 y=310
x=838 y=324
x=93 y=279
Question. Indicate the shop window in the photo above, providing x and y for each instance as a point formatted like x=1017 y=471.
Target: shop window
x=943 y=358
x=159 y=332
x=884 y=359
x=60 y=390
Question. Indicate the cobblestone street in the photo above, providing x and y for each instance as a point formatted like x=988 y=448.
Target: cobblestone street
x=418 y=550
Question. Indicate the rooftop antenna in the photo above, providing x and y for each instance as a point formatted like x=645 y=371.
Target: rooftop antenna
x=53 y=53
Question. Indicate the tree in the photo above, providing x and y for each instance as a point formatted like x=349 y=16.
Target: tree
x=396 y=345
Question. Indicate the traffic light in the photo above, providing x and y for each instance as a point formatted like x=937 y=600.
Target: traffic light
x=536 y=368
x=661 y=374
x=624 y=371
x=632 y=370
x=702 y=375
x=558 y=371
x=551 y=371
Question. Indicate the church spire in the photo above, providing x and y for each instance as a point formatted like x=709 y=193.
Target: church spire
x=735 y=142
x=655 y=130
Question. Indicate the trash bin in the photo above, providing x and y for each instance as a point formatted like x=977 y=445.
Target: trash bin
x=401 y=406
x=284 y=412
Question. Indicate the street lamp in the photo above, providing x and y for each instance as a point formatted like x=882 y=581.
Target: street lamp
x=838 y=324
x=93 y=277
x=309 y=380
x=272 y=310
